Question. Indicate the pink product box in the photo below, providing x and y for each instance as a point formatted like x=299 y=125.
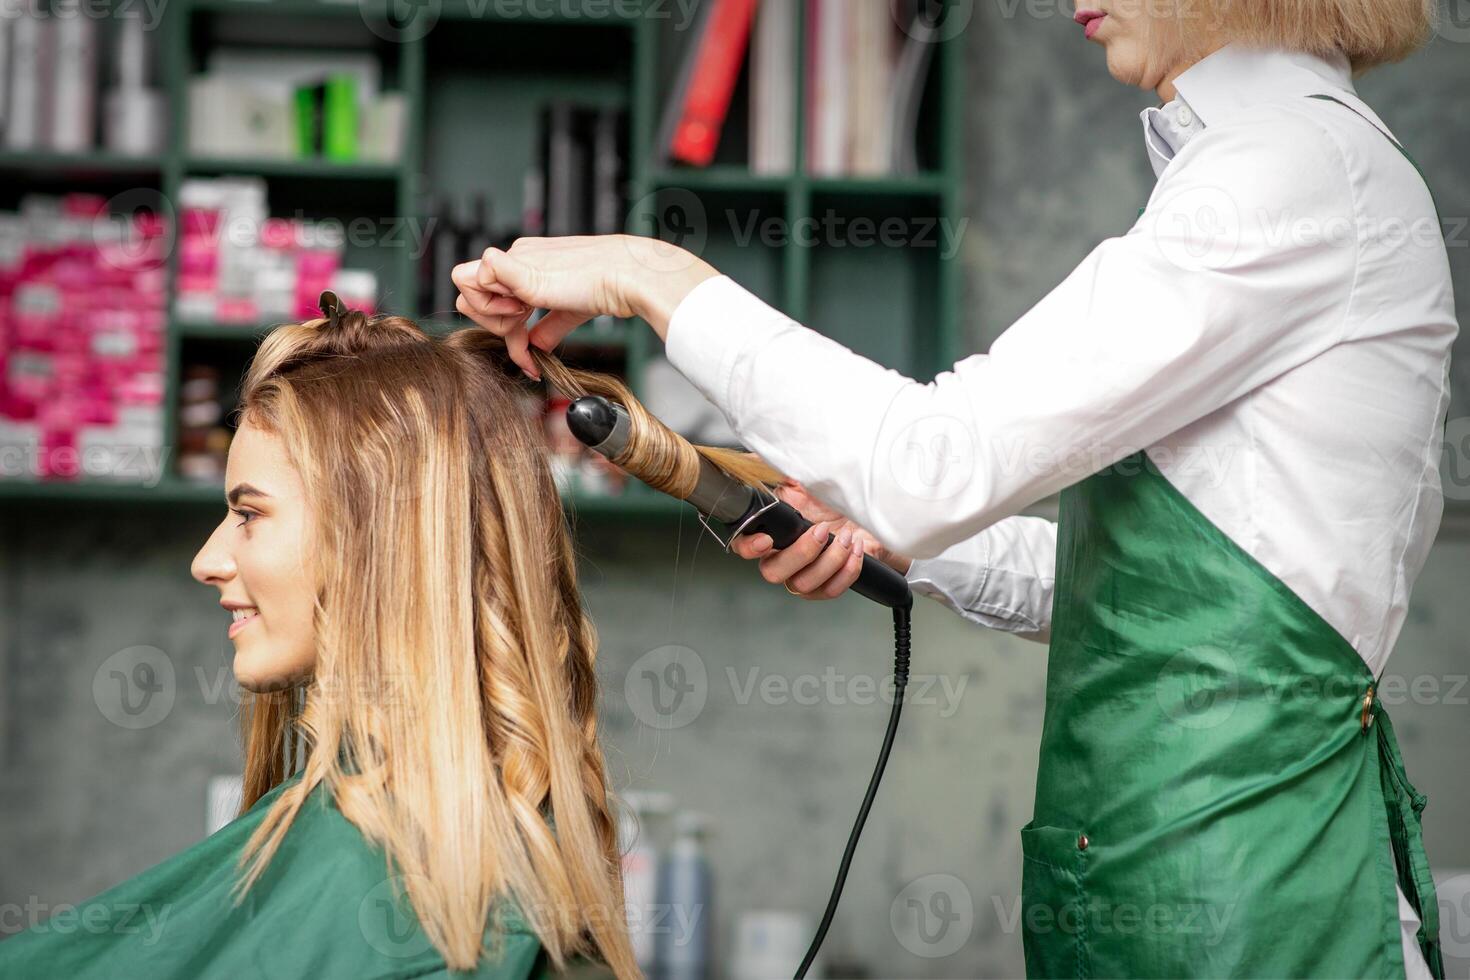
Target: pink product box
x=200 y=223
x=78 y=205
x=82 y=336
x=59 y=458
x=314 y=272
x=198 y=270
x=236 y=310
x=198 y=259
x=285 y=234
x=79 y=342
x=139 y=262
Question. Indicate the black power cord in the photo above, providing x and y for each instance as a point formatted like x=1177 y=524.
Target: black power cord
x=900 y=682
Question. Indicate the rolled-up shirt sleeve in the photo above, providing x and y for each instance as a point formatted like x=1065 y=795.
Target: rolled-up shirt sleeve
x=1215 y=290
x=1002 y=578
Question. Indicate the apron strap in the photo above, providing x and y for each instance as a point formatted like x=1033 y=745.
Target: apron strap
x=1404 y=805
x=1397 y=145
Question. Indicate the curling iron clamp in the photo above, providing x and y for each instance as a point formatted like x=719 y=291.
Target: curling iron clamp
x=606 y=428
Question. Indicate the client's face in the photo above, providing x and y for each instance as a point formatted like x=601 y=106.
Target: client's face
x=257 y=560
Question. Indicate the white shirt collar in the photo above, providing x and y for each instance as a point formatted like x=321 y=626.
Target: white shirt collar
x=1233 y=78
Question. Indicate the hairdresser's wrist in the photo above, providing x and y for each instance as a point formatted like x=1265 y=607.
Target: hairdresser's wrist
x=668 y=274
x=899 y=563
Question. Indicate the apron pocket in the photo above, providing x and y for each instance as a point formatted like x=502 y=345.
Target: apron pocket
x=1054 y=901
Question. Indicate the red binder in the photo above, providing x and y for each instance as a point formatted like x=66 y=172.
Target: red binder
x=719 y=58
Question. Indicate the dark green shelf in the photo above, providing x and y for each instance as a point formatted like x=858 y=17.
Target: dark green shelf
x=557 y=12
x=167 y=491
x=915 y=184
x=221 y=331
x=76 y=164
x=565 y=13
x=637 y=502
x=584 y=336
x=727 y=178
x=720 y=178
x=303 y=168
x=313 y=8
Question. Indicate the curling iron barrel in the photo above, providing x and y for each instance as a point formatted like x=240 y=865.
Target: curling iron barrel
x=607 y=429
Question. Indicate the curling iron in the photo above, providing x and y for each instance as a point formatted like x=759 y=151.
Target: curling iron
x=607 y=429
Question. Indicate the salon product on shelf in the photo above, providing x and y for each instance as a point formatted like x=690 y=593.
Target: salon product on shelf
x=81 y=341
x=203 y=439
x=685 y=895
x=771 y=943
x=239 y=265
x=73 y=108
x=639 y=845
x=134 y=113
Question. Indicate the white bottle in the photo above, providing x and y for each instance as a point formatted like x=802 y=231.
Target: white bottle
x=133 y=114
x=30 y=59
x=640 y=871
x=73 y=111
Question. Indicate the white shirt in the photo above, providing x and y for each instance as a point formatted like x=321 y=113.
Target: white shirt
x=1274 y=330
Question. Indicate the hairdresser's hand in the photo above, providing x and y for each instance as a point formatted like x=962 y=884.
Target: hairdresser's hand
x=808 y=567
x=574 y=278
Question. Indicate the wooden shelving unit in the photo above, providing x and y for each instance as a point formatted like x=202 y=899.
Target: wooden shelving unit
x=474 y=78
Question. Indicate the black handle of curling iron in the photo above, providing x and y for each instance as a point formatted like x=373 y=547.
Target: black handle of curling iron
x=877 y=581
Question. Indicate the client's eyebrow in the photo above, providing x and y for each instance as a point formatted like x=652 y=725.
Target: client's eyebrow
x=243 y=490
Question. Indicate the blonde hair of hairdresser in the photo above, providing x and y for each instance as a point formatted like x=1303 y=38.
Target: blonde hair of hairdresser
x=1369 y=32
x=453 y=702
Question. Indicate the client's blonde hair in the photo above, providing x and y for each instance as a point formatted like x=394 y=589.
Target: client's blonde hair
x=452 y=709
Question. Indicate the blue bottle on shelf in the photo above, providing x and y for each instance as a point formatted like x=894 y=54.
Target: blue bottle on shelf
x=685 y=939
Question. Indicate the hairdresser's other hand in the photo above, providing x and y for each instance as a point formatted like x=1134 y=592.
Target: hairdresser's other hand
x=808 y=567
x=574 y=278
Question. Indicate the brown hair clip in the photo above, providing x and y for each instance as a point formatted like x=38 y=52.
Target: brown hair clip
x=331 y=307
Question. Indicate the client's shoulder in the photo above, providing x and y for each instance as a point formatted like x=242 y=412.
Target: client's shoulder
x=353 y=910
x=326 y=906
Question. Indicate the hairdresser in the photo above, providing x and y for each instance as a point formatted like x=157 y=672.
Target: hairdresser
x=1240 y=400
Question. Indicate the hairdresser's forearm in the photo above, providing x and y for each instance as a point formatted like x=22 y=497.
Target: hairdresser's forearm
x=670 y=276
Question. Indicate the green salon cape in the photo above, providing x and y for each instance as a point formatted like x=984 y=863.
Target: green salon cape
x=325 y=908
x=1220 y=792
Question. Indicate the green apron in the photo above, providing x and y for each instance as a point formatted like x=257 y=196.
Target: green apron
x=324 y=908
x=1219 y=792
